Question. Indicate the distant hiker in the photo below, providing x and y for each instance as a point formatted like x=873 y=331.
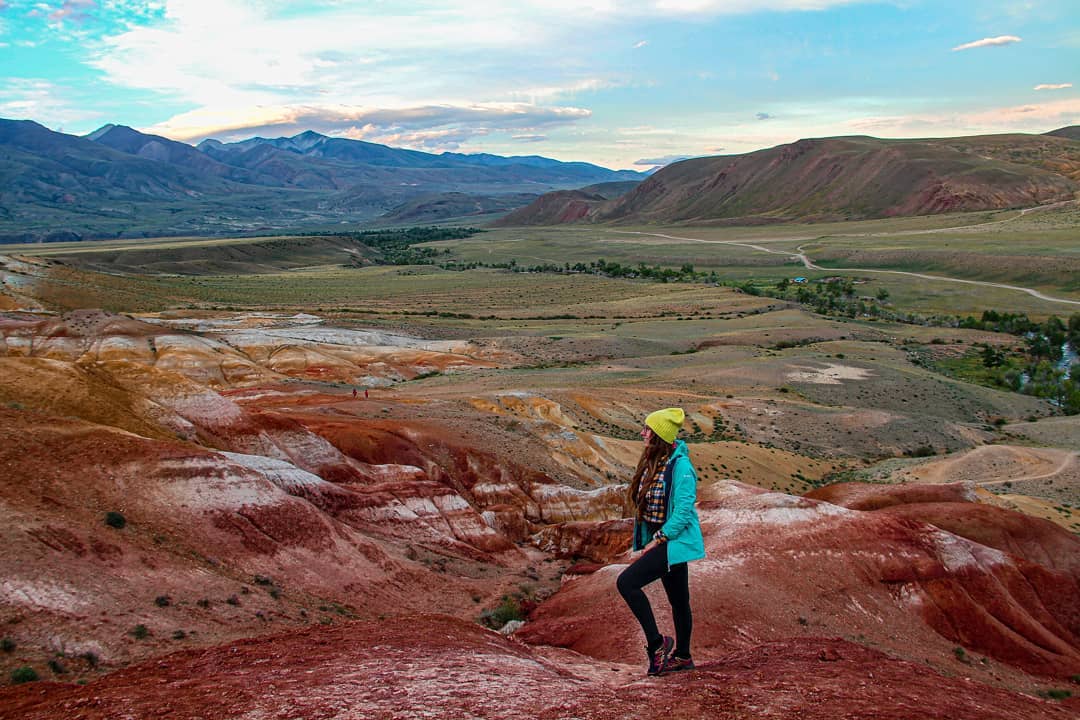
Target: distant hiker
x=365 y=393
x=662 y=493
x=354 y=393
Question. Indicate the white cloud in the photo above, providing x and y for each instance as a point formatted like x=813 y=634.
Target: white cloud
x=763 y=116
x=640 y=44
x=1059 y=86
x=429 y=126
x=39 y=99
x=659 y=161
x=989 y=42
x=542 y=94
x=733 y=7
x=74 y=10
x=1035 y=118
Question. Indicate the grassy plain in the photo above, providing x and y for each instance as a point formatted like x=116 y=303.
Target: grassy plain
x=1038 y=250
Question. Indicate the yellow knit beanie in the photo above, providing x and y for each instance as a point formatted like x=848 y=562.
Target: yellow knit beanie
x=666 y=423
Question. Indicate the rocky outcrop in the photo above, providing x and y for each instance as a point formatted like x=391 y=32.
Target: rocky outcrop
x=779 y=566
x=239 y=350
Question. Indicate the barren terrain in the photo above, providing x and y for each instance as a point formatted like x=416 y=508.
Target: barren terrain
x=201 y=518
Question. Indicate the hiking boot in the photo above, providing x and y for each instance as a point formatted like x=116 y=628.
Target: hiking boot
x=659 y=657
x=676 y=663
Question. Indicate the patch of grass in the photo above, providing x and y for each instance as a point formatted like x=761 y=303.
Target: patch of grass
x=507 y=610
x=23 y=674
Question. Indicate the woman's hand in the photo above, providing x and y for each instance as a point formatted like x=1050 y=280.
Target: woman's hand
x=652 y=544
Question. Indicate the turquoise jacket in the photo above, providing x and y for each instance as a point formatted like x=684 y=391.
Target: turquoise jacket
x=683 y=530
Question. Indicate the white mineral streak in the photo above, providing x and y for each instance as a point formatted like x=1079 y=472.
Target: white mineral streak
x=831 y=374
x=214 y=482
x=958 y=553
x=285 y=475
x=42 y=594
x=207 y=408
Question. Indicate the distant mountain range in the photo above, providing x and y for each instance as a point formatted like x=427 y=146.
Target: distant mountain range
x=118 y=182
x=836 y=179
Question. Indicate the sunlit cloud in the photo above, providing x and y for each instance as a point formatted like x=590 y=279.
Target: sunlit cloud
x=640 y=44
x=1036 y=118
x=734 y=7
x=660 y=161
x=988 y=42
x=429 y=127
x=1059 y=86
x=548 y=93
x=74 y=10
x=36 y=98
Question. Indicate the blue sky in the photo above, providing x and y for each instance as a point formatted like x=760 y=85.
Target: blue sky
x=620 y=83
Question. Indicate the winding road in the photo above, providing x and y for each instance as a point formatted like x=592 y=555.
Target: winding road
x=801 y=256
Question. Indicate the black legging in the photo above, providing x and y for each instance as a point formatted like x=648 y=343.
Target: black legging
x=646 y=569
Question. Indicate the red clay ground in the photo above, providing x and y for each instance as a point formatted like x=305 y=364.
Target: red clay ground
x=436 y=667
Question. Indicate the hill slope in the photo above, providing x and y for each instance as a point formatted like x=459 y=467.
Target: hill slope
x=841 y=178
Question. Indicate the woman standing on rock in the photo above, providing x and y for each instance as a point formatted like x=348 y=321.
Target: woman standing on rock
x=663 y=492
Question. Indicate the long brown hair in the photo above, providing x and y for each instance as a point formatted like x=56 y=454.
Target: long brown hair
x=655 y=453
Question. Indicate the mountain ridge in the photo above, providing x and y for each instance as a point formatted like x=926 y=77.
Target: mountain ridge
x=850 y=177
x=119 y=182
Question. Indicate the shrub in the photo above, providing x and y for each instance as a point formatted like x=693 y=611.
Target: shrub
x=23 y=674
x=115 y=520
x=233 y=600
x=140 y=632
x=509 y=609
x=203 y=603
x=1055 y=694
x=7 y=645
x=91 y=658
x=179 y=635
x=163 y=601
x=57 y=667
x=263 y=580
x=961 y=654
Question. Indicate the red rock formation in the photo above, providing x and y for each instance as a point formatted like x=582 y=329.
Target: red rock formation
x=200 y=525
x=780 y=566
